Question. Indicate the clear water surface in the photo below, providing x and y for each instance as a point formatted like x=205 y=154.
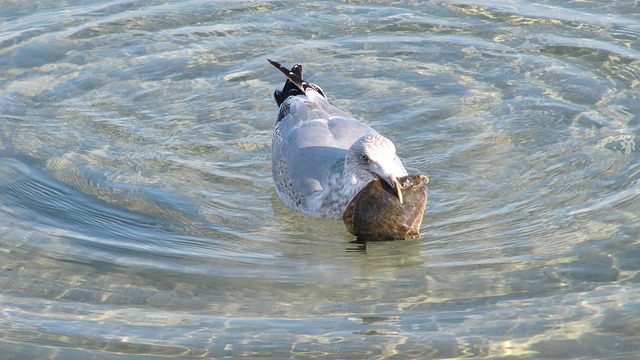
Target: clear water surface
x=138 y=218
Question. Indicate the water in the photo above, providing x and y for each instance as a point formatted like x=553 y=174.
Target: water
x=139 y=219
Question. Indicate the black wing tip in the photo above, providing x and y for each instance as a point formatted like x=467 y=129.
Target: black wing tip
x=295 y=74
x=275 y=63
x=294 y=85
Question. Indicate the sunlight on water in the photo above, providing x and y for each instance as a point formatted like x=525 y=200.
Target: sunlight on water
x=139 y=218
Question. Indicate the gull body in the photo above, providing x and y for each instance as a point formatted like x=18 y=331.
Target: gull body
x=321 y=156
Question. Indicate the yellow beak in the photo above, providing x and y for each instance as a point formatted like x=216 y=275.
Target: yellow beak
x=398 y=191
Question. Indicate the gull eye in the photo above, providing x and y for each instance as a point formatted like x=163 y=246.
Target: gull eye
x=364 y=158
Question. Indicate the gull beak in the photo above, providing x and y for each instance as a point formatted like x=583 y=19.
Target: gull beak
x=398 y=190
x=392 y=182
x=389 y=179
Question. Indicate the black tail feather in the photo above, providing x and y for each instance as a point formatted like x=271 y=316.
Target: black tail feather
x=294 y=85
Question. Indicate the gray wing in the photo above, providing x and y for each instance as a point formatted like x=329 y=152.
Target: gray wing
x=315 y=137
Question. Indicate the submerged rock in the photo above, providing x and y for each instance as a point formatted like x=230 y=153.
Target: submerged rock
x=376 y=212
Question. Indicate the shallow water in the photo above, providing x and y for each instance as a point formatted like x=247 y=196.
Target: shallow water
x=139 y=219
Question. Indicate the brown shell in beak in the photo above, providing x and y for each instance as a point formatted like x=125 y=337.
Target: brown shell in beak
x=376 y=213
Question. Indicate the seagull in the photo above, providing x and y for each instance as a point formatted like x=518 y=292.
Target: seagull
x=321 y=156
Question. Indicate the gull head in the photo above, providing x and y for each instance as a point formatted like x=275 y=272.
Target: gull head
x=374 y=157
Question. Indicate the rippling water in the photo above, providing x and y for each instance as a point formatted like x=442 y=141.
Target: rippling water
x=139 y=219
